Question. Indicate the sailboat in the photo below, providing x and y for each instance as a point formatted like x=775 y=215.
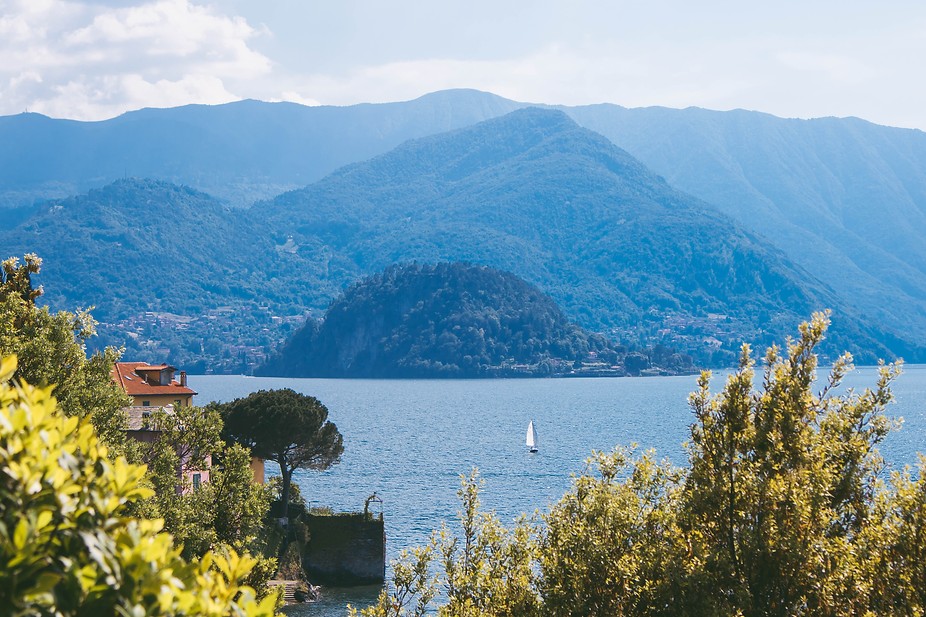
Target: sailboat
x=531 y=437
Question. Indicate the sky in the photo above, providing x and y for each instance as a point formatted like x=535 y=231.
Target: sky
x=92 y=60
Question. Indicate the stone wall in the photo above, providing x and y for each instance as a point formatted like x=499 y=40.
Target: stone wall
x=345 y=549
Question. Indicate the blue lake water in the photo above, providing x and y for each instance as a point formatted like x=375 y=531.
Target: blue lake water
x=409 y=440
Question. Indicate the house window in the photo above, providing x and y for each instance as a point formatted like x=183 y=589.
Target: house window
x=177 y=403
x=197 y=480
x=146 y=403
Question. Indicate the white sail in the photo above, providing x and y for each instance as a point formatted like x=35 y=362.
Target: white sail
x=532 y=441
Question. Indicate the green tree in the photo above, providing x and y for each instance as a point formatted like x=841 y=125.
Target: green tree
x=608 y=542
x=782 y=481
x=413 y=587
x=228 y=510
x=635 y=362
x=892 y=556
x=239 y=504
x=67 y=546
x=286 y=427
x=50 y=348
x=185 y=438
x=238 y=508
x=489 y=570
x=192 y=433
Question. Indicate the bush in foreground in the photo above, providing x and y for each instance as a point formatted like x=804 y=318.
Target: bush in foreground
x=66 y=545
x=784 y=508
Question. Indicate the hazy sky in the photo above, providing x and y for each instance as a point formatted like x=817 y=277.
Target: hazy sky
x=94 y=60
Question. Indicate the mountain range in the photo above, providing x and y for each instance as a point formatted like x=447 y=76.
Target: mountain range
x=239 y=152
x=535 y=194
x=778 y=207
x=844 y=198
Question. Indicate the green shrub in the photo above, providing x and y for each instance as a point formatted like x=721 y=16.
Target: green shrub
x=66 y=545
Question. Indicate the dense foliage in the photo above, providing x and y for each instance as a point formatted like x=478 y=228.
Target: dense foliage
x=782 y=510
x=67 y=546
x=530 y=193
x=286 y=427
x=227 y=511
x=50 y=347
x=443 y=320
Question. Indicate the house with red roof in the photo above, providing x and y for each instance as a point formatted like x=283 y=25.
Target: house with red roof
x=152 y=388
x=153 y=385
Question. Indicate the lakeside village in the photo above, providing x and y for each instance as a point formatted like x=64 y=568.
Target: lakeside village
x=338 y=549
x=236 y=340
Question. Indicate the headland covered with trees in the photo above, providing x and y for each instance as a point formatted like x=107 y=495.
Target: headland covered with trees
x=783 y=507
x=454 y=320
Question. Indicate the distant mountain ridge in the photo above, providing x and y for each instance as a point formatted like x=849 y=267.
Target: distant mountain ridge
x=844 y=198
x=531 y=193
x=238 y=152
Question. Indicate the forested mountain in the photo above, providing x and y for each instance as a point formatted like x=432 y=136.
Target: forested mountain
x=137 y=239
x=175 y=273
x=444 y=320
x=238 y=152
x=843 y=198
x=535 y=194
x=171 y=273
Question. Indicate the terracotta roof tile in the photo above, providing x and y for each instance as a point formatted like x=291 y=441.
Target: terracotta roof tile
x=126 y=377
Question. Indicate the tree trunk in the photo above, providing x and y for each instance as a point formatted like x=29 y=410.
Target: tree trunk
x=287 y=476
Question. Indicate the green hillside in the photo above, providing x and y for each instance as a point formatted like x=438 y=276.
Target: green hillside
x=535 y=194
x=444 y=320
x=172 y=273
x=843 y=198
x=176 y=274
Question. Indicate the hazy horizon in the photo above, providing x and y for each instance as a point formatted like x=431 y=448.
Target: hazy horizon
x=96 y=59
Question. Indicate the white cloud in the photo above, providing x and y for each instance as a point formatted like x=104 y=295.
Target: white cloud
x=294 y=97
x=24 y=78
x=772 y=72
x=87 y=61
x=93 y=59
x=101 y=97
x=834 y=67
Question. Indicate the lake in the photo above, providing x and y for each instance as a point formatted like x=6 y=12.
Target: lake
x=409 y=441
